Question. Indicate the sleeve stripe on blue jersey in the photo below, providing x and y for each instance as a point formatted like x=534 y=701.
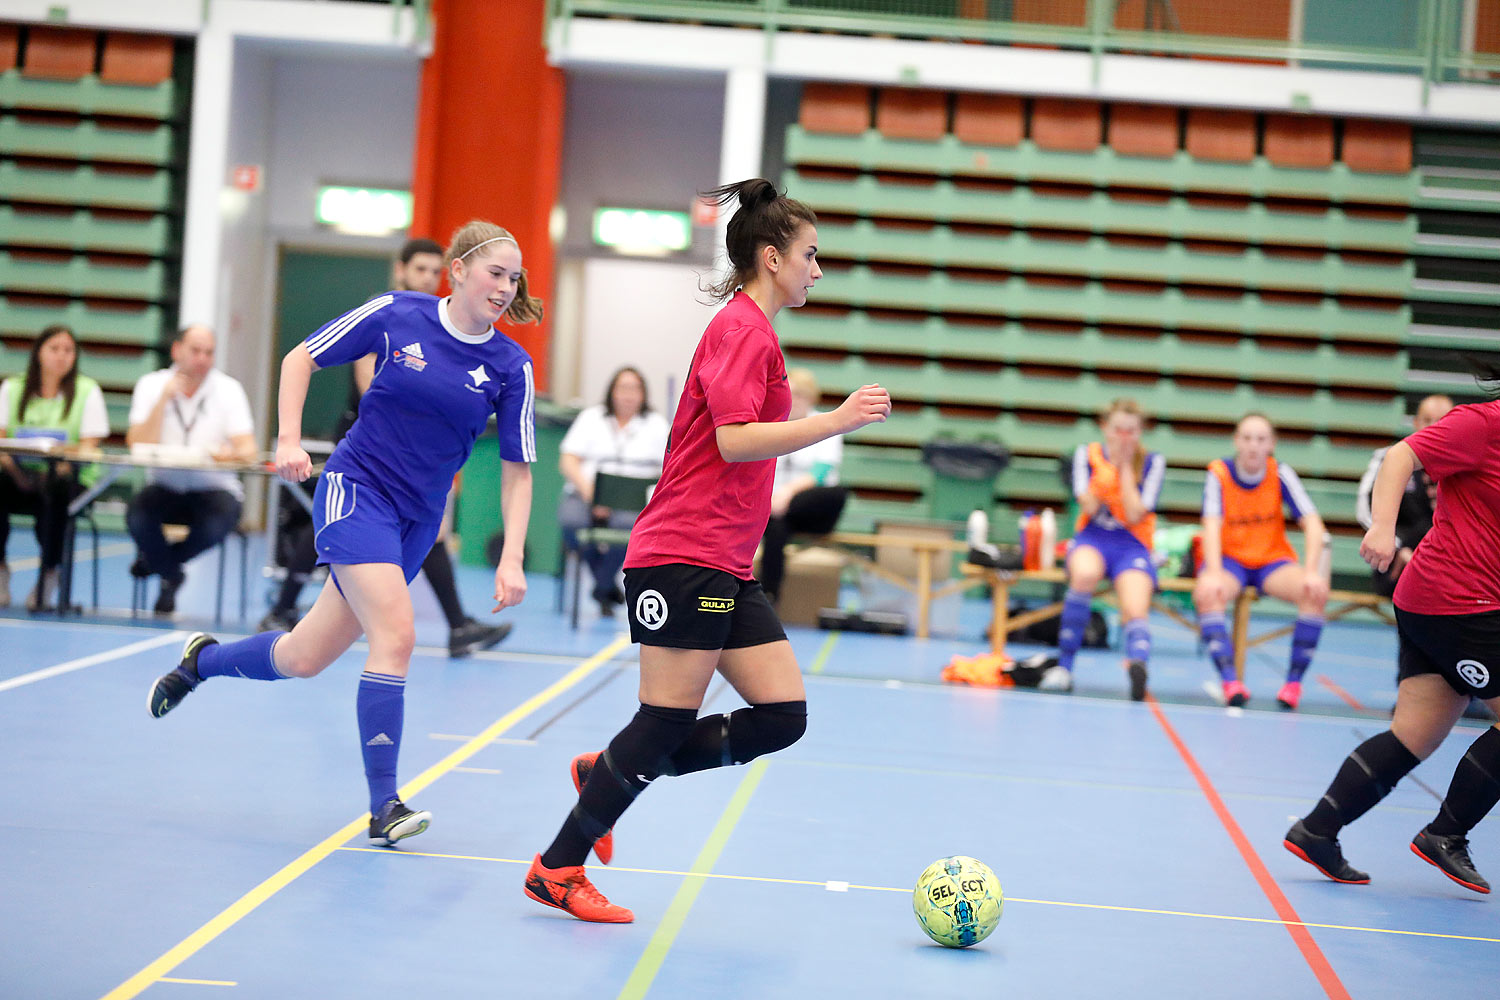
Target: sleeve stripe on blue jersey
x=528 y=418
x=1213 y=497
x=320 y=342
x=1156 y=472
x=1296 y=491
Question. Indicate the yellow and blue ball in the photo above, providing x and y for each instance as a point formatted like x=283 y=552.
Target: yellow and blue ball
x=958 y=901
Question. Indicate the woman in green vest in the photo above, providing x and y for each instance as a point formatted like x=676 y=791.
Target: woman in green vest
x=52 y=401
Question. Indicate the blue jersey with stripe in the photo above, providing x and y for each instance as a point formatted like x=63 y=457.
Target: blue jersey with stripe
x=434 y=391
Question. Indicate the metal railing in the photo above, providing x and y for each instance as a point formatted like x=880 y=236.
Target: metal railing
x=1150 y=27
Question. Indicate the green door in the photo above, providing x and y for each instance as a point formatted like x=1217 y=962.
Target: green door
x=313 y=287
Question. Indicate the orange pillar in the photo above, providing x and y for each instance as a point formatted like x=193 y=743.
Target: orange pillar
x=489 y=138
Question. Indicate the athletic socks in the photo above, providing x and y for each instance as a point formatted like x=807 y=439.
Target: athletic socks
x=380 y=705
x=253 y=659
x=634 y=758
x=1137 y=640
x=1367 y=776
x=1304 y=640
x=741 y=736
x=1474 y=790
x=1075 y=621
x=1215 y=634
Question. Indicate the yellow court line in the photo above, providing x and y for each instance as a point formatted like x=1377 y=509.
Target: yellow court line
x=197 y=982
x=1008 y=899
x=189 y=945
x=821 y=659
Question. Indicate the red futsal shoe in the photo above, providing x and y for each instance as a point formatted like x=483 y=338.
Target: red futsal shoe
x=570 y=890
x=604 y=847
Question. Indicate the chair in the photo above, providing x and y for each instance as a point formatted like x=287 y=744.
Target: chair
x=617 y=493
x=177 y=532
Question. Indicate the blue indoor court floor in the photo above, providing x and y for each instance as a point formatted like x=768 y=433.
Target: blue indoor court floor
x=221 y=851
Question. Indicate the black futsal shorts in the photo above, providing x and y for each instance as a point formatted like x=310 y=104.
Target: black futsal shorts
x=1464 y=649
x=690 y=607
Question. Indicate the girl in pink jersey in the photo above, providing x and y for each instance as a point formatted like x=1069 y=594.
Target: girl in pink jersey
x=694 y=606
x=1448 y=618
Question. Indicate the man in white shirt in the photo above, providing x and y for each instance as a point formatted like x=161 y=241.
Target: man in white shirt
x=1414 y=517
x=196 y=406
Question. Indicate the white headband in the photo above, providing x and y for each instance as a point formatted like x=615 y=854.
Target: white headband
x=492 y=239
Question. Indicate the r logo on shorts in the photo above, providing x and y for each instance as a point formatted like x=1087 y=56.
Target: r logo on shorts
x=651 y=609
x=1474 y=673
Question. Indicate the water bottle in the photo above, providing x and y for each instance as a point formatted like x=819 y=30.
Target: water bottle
x=979 y=528
x=1325 y=559
x=1049 y=539
x=1031 y=541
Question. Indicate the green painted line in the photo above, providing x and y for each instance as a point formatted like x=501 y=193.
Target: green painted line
x=644 y=973
x=822 y=657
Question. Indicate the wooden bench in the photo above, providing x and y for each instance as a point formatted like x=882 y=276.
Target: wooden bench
x=1002 y=623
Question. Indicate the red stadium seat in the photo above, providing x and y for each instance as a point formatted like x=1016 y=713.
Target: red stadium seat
x=139 y=59
x=1065 y=125
x=1221 y=135
x=1143 y=130
x=911 y=114
x=10 y=44
x=988 y=119
x=1299 y=141
x=838 y=108
x=59 y=53
x=1377 y=146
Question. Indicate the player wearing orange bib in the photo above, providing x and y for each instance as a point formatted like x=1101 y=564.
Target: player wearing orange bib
x=1245 y=545
x=1117 y=484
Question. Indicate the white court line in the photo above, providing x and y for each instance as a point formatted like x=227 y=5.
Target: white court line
x=165 y=639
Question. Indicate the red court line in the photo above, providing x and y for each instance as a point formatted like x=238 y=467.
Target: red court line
x=1327 y=978
x=1349 y=699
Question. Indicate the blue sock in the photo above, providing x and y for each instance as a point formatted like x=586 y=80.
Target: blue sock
x=380 y=705
x=1137 y=640
x=1305 y=636
x=1075 y=621
x=1220 y=646
x=250 y=658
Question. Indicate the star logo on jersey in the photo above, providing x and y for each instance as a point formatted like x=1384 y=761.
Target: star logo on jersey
x=480 y=377
x=410 y=356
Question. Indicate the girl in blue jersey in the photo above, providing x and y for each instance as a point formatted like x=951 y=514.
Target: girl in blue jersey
x=442 y=372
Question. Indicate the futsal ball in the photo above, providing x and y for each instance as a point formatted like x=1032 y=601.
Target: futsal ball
x=958 y=901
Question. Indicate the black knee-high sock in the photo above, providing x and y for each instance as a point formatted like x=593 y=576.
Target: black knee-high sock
x=741 y=736
x=632 y=761
x=1368 y=775
x=1474 y=790
x=439 y=569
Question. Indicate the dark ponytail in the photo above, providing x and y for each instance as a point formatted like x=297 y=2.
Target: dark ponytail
x=1486 y=372
x=765 y=217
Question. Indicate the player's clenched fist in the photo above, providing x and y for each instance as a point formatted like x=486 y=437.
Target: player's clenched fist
x=869 y=404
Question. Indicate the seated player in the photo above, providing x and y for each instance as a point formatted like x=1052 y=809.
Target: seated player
x=1245 y=545
x=1117 y=484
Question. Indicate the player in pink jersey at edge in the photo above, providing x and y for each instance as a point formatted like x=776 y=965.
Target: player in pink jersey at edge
x=1448 y=625
x=694 y=606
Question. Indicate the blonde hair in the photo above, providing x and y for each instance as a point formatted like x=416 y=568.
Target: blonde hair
x=1129 y=407
x=470 y=237
x=803 y=382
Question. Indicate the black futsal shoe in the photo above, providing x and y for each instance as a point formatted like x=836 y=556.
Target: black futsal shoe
x=170 y=688
x=1324 y=854
x=1450 y=855
x=1137 y=671
x=397 y=822
x=472 y=636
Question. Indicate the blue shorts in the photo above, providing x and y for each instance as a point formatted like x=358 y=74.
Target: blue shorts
x=1253 y=576
x=356 y=523
x=1121 y=550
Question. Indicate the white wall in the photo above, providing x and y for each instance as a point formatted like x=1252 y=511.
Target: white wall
x=641 y=313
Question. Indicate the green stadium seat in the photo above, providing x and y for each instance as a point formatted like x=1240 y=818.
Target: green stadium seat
x=88 y=96
x=117 y=323
x=81 y=229
x=86 y=140
x=86 y=185
x=78 y=275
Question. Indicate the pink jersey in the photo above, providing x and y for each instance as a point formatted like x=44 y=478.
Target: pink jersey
x=1454 y=570
x=706 y=511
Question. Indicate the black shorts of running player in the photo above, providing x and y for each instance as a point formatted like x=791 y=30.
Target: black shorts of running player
x=691 y=607
x=1463 y=649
